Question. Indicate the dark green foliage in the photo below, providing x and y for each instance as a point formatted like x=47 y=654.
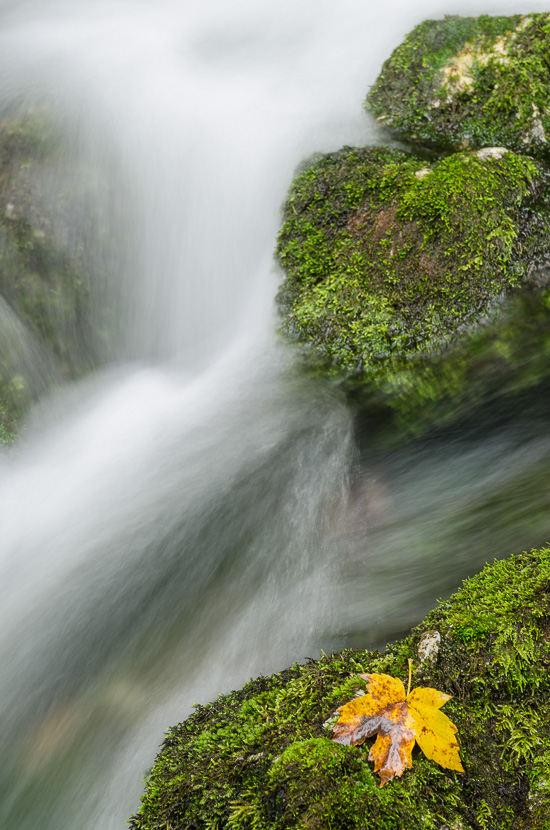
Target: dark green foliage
x=470 y=82
x=262 y=758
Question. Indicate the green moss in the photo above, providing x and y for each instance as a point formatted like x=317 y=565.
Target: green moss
x=262 y=757
x=397 y=268
x=470 y=82
x=56 y=245
x=499 y=360
x=387 y=258
x=43 y=282
x=13 y=402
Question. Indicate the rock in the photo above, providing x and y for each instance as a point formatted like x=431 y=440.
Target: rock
x=56 y=249
x=261 y=757
x=467 y=82
x=428 y=648
x=388 y=258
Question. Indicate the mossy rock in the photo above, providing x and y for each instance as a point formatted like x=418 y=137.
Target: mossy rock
x=40 y=277
x=388 y=258
x=263 y=757
x=497 y=364
x=467 y=82
x=56 y=246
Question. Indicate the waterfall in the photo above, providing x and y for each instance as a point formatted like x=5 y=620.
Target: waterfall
x=190 y=511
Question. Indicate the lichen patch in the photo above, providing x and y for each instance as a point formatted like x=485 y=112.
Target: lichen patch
x=459 y=73
x=524 y=23
x=491 y=153
x=421 y=174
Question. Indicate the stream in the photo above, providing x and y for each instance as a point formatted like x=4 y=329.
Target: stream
x=194 y=512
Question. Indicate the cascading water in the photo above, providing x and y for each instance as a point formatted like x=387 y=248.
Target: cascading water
x=192 y=514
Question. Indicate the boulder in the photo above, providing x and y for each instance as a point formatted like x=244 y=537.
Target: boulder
x=263 y=756
x=57 y=245
x=465 y=82
x=389 y=257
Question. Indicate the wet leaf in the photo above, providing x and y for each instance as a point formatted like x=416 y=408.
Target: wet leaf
x=399 y=721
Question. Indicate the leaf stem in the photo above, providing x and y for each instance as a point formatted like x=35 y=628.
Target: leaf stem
x=410 y=674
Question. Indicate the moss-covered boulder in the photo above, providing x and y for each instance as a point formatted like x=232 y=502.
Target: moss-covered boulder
x=388 y=256
x=263 y=757
x=57 y=243
x=468 y=82
x=498 y=364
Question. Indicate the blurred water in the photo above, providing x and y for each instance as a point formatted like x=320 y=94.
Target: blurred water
x=192 y=513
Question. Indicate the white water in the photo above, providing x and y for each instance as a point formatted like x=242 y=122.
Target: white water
x=180 y=521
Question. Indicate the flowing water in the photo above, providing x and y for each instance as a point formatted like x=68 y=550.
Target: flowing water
x=193 y=513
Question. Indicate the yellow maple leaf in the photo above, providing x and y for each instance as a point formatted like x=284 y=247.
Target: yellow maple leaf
x=399 y=720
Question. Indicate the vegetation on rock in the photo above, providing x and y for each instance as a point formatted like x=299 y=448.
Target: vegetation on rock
x=396 y=270
x=388 y=257
x=49 y=227
x=263 y=757
x=499 y=360
x=468 y=82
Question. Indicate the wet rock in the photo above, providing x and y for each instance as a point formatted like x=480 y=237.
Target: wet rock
x=386 y=257
x=494 y=658
x=465 y=82
x=56 y=247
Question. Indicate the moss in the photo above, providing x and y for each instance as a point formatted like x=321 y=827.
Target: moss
x=262 y=757
x=13 y=402
x=469 y=82
x=55 y=249
x=387 y=258
x=421 y=285
x=497 y=361
x=43 y=282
